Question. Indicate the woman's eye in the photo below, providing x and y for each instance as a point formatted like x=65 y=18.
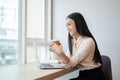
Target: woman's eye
x=68 y=24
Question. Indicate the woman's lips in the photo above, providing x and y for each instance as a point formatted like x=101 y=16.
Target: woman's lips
x=69 y=31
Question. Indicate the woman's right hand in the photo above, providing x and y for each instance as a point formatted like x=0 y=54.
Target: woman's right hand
x=56 y=48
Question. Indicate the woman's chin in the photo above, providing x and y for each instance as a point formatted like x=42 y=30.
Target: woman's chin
x=71 y=34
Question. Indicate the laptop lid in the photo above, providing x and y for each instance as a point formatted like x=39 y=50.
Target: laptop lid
x=46 y=64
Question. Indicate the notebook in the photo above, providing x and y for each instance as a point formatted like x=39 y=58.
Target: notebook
x=47 y=64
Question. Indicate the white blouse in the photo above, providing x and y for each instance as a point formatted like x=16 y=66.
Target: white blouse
x=83 y=53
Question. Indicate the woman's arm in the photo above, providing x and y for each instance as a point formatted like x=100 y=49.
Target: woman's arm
x=82 y=52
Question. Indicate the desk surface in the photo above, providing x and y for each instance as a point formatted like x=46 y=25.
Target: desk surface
x=30 y=72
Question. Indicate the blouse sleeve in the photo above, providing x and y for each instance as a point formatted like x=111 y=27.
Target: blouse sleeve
x=86 y=48
x=68 y=53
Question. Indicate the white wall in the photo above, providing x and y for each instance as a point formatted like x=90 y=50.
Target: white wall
x=102 y=17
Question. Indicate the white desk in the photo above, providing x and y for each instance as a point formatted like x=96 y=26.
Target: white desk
x=30 y=72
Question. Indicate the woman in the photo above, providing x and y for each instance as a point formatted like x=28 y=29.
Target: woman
x=83 y=49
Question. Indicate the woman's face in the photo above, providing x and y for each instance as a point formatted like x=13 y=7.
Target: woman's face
x=71 y=27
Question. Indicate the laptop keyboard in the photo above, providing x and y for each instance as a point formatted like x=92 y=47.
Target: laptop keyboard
x=46 y=66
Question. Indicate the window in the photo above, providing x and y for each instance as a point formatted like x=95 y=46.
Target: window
x=23 y=24
x=8 y=32
x=37 y=31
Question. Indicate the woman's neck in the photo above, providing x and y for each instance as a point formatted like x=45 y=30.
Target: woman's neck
x=75 y=37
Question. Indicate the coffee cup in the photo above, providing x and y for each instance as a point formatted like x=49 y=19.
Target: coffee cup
x=56 y=41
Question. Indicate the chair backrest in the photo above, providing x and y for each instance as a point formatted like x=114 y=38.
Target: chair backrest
x=107 y=70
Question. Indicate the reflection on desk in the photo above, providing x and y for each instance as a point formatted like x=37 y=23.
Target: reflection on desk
x=30 y=72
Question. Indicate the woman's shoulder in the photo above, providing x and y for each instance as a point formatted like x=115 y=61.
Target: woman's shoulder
x=88 y=40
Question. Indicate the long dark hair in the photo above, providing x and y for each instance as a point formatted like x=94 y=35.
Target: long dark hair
x=83 y=30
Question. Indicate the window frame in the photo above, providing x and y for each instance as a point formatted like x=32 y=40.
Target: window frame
x=48 y=30
x=21 y=28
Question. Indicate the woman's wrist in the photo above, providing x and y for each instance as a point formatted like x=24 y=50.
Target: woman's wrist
x=63 y=57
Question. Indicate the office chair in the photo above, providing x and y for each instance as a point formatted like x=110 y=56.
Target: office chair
x=107 y=70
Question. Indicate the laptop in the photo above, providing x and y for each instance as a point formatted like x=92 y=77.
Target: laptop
x=47 y=64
